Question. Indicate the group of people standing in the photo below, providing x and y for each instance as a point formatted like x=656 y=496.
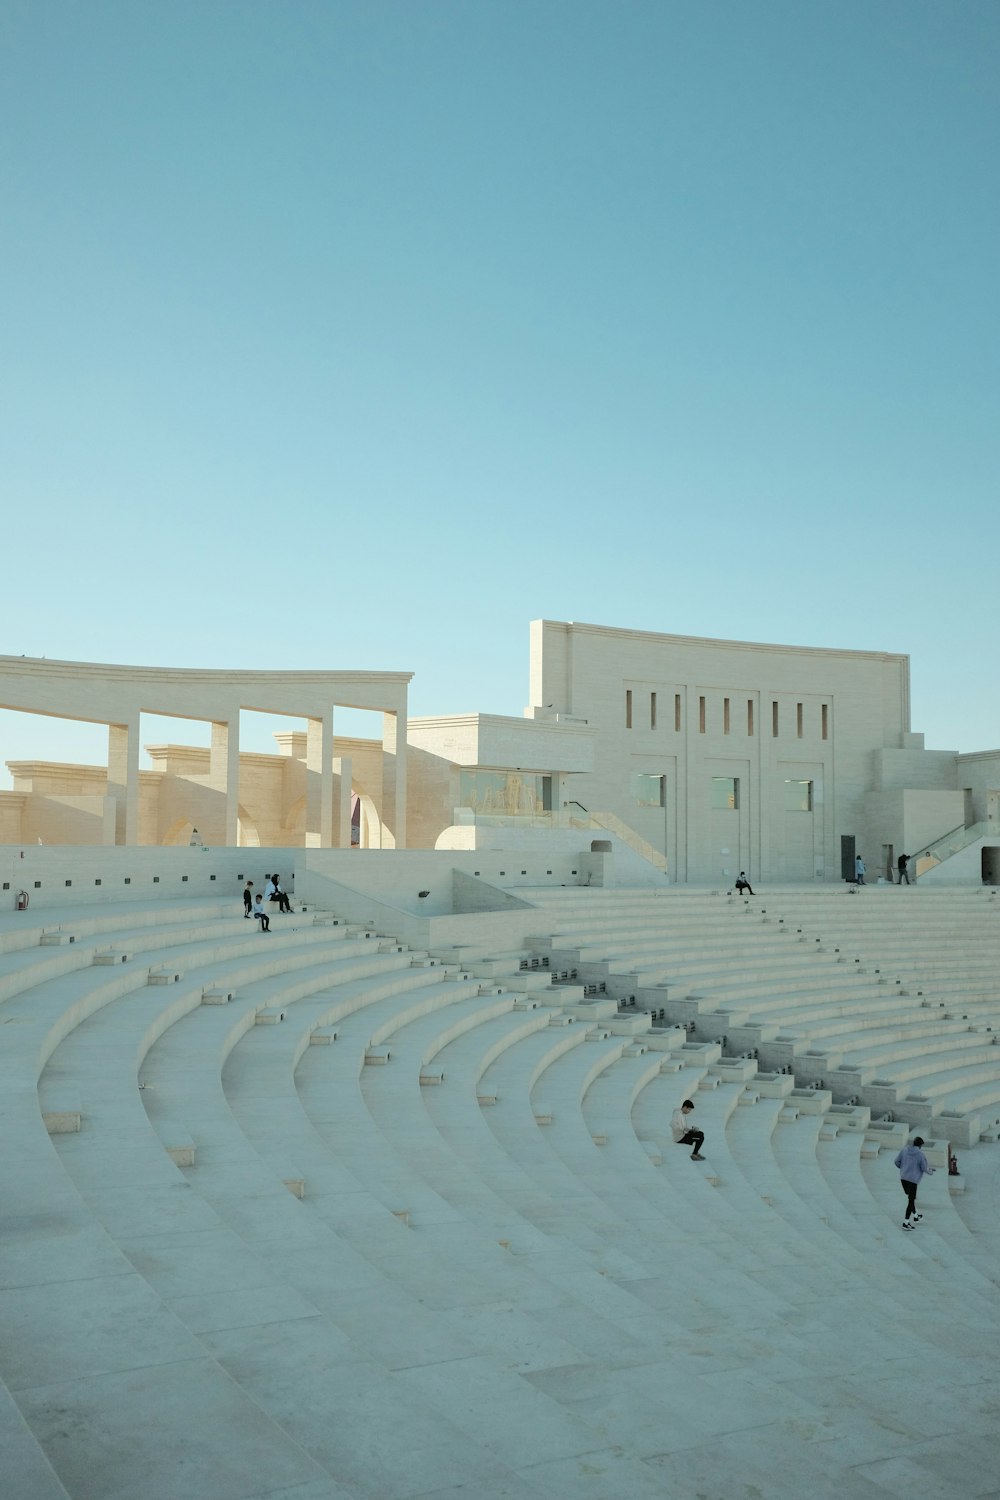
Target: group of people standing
x=256 y=905
x=902 y=870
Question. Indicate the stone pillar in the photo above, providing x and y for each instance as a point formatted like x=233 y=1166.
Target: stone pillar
x=224 y=774
x=342 y=802
x=123 y=779
x=319 y=783
x=394 y=780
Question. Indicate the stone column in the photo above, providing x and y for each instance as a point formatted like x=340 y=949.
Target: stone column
x=224 y=774
x=394 y=780
x=319 y=782
x=341 y=802
x=123 y=779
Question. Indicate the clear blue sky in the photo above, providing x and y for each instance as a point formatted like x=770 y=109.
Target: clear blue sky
x=357 y=335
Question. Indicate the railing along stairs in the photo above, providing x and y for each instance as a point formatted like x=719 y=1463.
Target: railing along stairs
x=611 y=823
x=952 y=843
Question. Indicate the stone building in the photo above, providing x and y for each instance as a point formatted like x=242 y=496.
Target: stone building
x=706 y=757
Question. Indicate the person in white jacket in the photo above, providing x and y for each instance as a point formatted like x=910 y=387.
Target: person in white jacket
x=685 y=1135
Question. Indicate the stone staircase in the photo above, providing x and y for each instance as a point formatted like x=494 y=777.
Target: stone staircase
x=318 y=1217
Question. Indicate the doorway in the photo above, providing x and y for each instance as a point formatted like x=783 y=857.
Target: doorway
x=847 y=853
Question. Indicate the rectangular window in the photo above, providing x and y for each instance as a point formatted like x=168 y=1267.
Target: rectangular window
x=750 y=717
x=652 y=710
x=774 y=719
x=725 y=715
x=505 y=794
x=649 y=791
x=677 y=712
x=628 y=708
x=798 y=796
x=823 y=720
x=725 y=793
x=701 y=716
x=798 y=719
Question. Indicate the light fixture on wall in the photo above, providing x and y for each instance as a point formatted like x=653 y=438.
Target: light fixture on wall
x=422 y=894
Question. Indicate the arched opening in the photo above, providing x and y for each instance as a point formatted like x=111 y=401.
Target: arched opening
x=179 y=834
x=247 y=835
x=294 y=827
x=369 y=823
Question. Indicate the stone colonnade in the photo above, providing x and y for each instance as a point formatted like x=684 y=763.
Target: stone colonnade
x=117 y=696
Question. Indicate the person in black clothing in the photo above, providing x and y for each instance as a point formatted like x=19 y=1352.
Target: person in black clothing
x=248 y=899
x=743 y=884
x=279 y=894
x=901 y=864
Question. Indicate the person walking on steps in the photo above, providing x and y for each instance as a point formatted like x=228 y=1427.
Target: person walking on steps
x=248 y=899
x=743 y=884
x=685 y=1136
x=859 y=871
x=901 y=864
x=260 y=913
x=913 y=1166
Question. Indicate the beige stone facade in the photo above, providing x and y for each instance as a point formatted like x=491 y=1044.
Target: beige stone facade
x=707 y=757
x=783 y=761
x=215 y=790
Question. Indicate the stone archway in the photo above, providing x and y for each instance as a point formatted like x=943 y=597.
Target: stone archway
x=370 y=824
x=247 y=833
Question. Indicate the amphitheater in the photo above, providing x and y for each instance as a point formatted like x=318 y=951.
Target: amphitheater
x=331 y=1213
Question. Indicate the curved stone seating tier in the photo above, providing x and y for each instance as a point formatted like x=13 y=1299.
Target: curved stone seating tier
x=763 y=986
x=378 y=1083
x=861 y=1222
x=90 y=922
x=745 y=962
x=461 y=1113
x=953 y=1057
x=972 y=1110
x=748 y=1001
x=633 y=1222
x=31 y=956
x=406 y=1125
x=337 y=1224
x=787 y=1237
x=341 y=1113
x=245 y=1209
x=840 y=1030
x=88 y=1303
x=851 y=1063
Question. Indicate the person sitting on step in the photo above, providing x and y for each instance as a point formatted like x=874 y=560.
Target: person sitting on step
x=743 y=884
x=683 y=1136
